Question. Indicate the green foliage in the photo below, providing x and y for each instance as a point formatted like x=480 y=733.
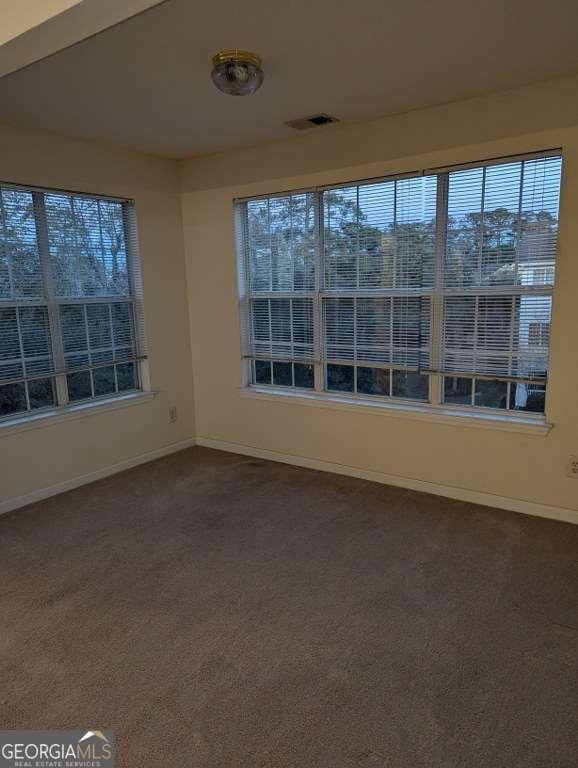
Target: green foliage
x=86 y=244
x=481 y=248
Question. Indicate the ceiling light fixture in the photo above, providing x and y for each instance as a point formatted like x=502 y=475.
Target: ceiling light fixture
x=237 y=73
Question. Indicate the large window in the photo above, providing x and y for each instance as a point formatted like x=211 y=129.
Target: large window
x=433 y=287
x=70 y=315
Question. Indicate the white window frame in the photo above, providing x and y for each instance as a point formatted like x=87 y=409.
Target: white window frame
x=525 y=421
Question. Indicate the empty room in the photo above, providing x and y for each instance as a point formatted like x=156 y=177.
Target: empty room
x=288 y=384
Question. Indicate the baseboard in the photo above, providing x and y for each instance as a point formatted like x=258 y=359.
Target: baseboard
x=476 y=497
x=90 y=477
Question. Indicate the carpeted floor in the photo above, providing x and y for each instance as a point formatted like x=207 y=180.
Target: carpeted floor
x=218 y=611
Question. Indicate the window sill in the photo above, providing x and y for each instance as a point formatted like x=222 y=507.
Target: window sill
x=24 y=423
x=417 y=411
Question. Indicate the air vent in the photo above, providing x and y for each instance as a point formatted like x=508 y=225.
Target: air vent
x=303 y=123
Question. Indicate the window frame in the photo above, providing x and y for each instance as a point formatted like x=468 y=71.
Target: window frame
x=63 y=406
x=435 y=403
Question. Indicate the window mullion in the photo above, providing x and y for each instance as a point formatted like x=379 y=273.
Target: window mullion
x=319 y=376
x=135 y=290
x=270 y=318
x=244 y=278
x=52 y=305
x=22 y=355
x=8 y=256
x=437 y=301
x=88 y=351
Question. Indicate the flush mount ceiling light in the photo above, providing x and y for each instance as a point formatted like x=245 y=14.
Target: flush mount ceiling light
x=237 y=73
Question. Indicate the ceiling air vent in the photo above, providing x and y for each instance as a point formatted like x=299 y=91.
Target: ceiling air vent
x=303 y=123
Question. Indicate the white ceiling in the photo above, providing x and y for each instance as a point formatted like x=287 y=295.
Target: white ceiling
x=145 y=83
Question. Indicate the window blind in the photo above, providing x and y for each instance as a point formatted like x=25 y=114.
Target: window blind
x=499 y=267
x=277 y=236
x=435 y=286
x=71 y=321
x=378 y=272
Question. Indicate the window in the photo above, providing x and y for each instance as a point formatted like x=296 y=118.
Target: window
x=71 y=324
x=431 y=287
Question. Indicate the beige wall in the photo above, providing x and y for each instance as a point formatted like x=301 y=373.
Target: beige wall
x=42 y=457
x=508 y=464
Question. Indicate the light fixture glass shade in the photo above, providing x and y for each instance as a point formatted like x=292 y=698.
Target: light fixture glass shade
x=237 y=73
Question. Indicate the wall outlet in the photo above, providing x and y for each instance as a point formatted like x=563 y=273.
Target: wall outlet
x=173 y=416
x=572 y=468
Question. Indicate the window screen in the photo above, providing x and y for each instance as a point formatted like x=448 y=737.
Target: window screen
x=435 y=287
x=71 y=325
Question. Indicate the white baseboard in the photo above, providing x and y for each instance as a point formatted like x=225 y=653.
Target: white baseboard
x=476 y=497
x=462 y=494
x=29 y=498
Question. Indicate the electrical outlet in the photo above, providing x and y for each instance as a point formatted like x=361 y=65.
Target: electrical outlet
x=572 y=468
x=172 y=414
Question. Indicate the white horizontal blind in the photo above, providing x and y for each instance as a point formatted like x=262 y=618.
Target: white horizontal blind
x=390 y=331
x=433 y=286
x=71 y=321
x=282 y=328
x=378 y=271
x=281 y=243
x=499 y=268
x=380 y=236
x=277 y=237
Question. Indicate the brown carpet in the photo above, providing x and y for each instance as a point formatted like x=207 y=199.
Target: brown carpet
x=216 y=611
